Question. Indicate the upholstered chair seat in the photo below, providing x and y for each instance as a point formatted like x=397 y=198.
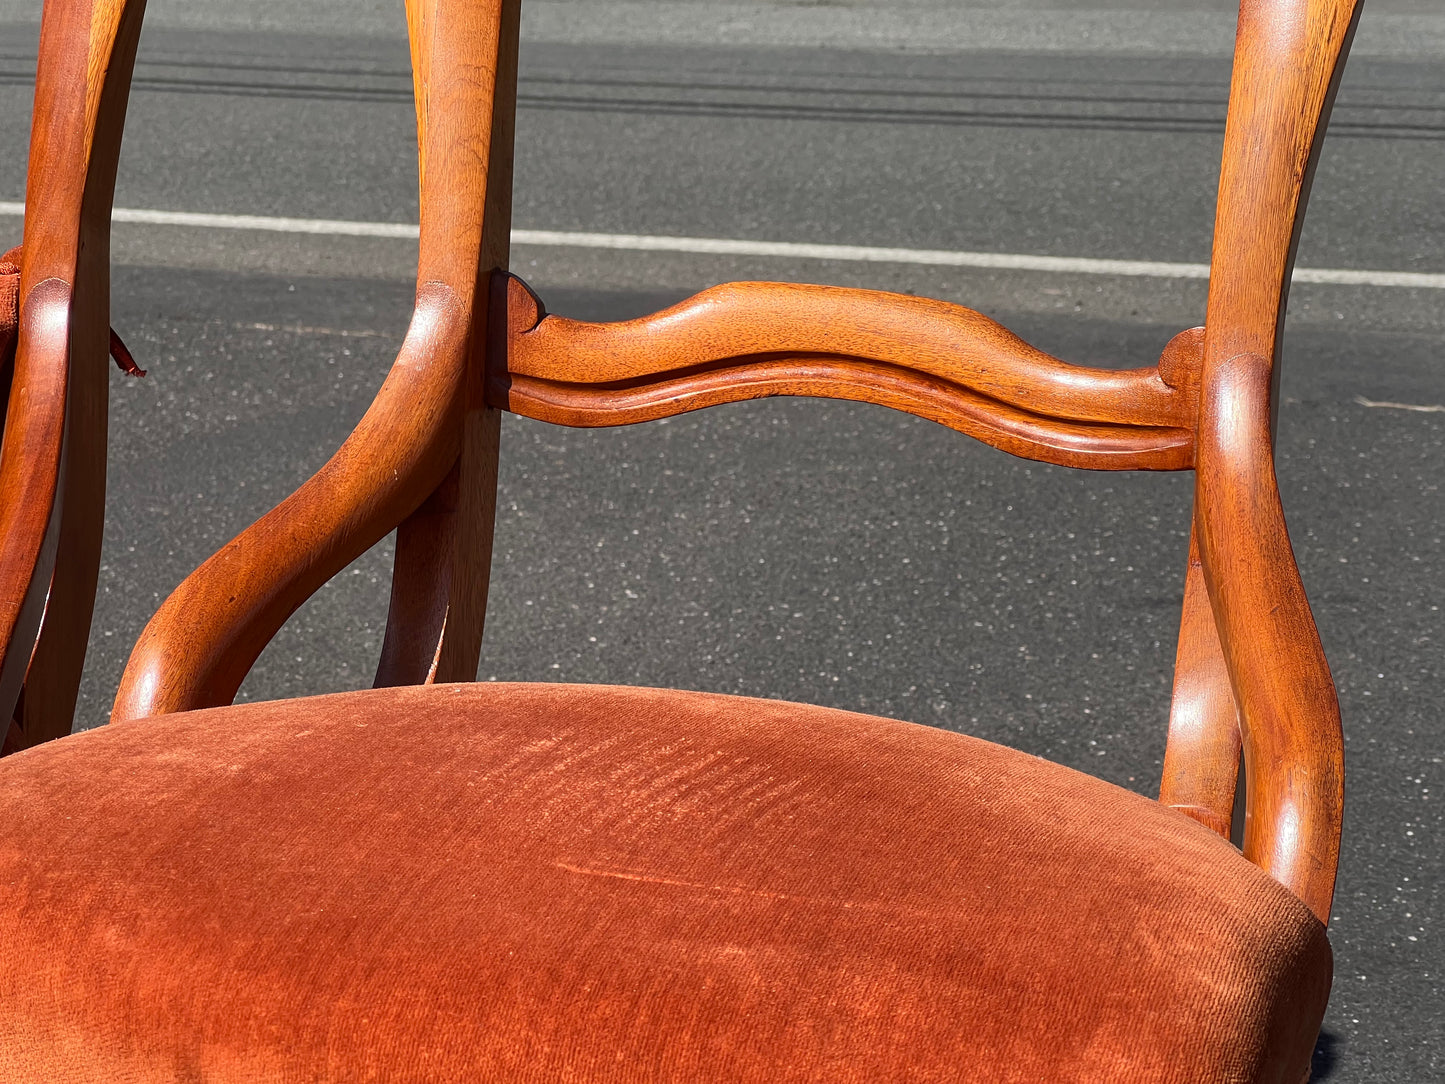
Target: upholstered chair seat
x=558 y=882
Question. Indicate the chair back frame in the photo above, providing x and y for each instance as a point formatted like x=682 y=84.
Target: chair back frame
x=1251 y=676
x=53 y=459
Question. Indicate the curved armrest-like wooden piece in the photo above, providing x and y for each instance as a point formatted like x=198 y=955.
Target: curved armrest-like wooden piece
x=1289 y=712
x=197 y=649
x=752 y=339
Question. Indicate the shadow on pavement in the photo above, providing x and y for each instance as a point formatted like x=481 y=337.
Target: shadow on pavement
x=1322 y=1064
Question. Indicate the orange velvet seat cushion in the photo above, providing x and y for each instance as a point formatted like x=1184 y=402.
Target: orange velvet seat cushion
x=544 y=883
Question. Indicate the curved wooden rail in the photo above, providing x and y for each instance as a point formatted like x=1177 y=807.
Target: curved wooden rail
x=752 y=339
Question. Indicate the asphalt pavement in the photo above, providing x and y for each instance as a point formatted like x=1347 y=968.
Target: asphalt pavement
x=809 y=550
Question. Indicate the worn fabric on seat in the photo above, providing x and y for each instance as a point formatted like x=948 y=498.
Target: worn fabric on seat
x=581 y=883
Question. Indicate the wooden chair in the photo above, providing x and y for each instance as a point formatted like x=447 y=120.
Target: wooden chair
x=441 y=881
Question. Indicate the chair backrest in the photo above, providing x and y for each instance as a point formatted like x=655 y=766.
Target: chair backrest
x=1251 y=673
x=52 y=463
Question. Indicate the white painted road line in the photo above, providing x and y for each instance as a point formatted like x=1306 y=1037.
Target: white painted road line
x=330 y=227
x=721 y=246
x=1004 y=261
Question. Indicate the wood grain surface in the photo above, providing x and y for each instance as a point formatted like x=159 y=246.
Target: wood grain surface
x=1201 y=759
x=747 y=340
x=1289 y=58
x=199 y=646
x=52 y=466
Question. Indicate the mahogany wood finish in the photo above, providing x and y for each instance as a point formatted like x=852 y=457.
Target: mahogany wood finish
x=199 y=646
x=1201 y=760
x=52 y=467
x=1289 y=58
x=1251 y=673
x=444 y=549
x=746 y=340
